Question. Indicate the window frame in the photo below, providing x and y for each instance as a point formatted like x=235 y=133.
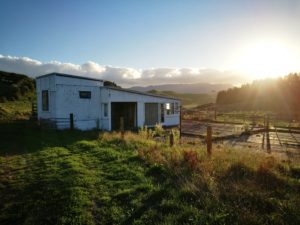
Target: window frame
x=105 y=110
x=176 y=107
x=85 y=94
x=168 y=108
x=172 y=108
x=45 y=100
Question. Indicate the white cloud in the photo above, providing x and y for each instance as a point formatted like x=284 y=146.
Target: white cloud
x=122 y=76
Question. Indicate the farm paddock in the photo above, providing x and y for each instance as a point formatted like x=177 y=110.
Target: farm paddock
x=285 y=141
x=52 y=176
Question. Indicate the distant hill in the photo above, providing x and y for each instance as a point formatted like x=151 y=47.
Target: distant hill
x=280 y=95
x=15 y=86
x=188 y=100
x=197 y=88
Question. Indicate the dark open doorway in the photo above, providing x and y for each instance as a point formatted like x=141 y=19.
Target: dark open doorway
x=127 y=110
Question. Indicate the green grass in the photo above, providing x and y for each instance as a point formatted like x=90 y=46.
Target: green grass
x=12 y=110
x=64 y=177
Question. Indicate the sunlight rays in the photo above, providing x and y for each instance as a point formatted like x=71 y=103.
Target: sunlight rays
x=266 y=59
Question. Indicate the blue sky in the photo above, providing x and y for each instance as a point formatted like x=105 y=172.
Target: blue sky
x=145 y=34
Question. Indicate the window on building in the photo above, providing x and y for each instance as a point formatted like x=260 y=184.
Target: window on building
x=85 y=94
x=105 y=109
x=162 y=113
x=177 y=109
x=168 y=108
x=172 y=108
x=45 y=100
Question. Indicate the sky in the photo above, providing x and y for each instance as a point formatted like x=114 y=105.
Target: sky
x=162 y=41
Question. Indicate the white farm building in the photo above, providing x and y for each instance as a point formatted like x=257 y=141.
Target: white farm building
x=92 y=105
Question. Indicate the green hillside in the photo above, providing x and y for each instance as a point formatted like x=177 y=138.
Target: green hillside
x=188 y=100
x=15 y=110
x=16 y=87
x=17 y=92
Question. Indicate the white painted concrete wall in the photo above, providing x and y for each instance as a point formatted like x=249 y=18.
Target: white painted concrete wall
x=110 y=95
x=64 y=99
x=88 y=113
x=47 y=83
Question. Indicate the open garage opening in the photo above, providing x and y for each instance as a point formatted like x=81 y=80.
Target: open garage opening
x=125 y=110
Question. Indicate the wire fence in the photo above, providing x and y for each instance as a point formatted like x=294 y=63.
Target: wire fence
x=65 y=123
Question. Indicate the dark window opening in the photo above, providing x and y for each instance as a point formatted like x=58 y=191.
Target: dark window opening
x=177 y=108
x=84 y=94
x=162 y=113
x=172 y=108
x=45 y=100
x=105 y=110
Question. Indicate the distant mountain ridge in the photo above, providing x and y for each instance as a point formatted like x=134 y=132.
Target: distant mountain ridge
x=197 y=88
x=187 y=99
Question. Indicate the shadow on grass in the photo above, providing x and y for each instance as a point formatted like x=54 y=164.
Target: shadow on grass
x=21 y=137
x=152 y=201
x=258 y=195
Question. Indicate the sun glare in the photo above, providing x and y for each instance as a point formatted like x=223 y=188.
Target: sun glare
x=266 y=60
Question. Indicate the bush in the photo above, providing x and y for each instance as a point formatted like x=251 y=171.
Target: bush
x=159 y=130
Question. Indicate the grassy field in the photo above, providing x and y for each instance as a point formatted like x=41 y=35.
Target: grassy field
x=64 y=177
x=188 y=100
x=15 y=110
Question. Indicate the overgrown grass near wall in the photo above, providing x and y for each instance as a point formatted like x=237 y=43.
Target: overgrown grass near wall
x=64 y=177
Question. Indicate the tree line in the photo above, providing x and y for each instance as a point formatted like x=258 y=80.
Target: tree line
x=280 y=95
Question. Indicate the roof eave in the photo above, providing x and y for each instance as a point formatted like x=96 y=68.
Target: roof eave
x=140 y=93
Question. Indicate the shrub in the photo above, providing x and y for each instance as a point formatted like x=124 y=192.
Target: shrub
x=191 y=159
x=159 y=130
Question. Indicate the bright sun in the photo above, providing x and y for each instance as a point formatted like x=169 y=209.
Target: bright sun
x=266 y=59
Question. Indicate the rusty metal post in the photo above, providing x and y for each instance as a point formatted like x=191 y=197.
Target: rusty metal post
x=209 y=140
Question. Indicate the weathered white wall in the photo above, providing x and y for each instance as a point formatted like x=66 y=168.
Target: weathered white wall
x=77 y=81
x=64 y=95
x=88 y=113
x=47 y=83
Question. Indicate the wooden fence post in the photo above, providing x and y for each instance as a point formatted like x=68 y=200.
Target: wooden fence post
x=215 y=113
x=268 y=135
x=122 y=127
x=171 y=139
x=180 y=124
x=209 y=140
x=71 y=121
